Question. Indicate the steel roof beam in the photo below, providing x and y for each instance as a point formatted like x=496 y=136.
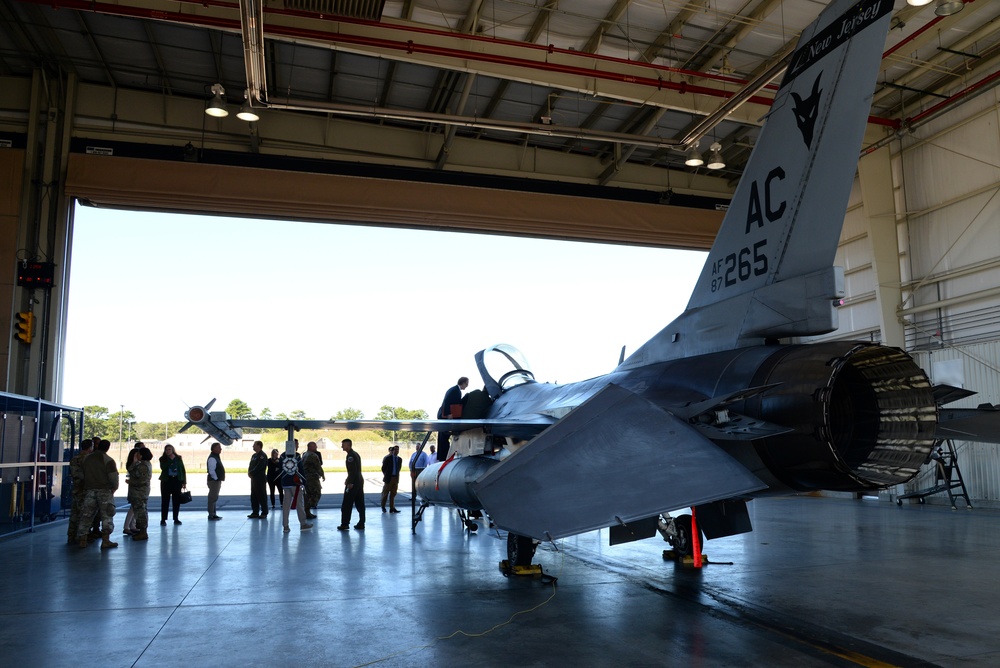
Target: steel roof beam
x=155 y=48
x=632 y=82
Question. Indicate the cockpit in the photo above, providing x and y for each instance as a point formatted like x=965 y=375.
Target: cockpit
x=502 y=367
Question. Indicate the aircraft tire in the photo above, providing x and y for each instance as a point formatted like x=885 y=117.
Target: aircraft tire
x=520 y=550
x=684 y=546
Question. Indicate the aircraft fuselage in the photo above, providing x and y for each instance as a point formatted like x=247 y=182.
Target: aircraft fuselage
x=858 y=416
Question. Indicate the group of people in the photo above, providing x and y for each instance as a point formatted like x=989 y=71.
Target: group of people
x=297 y=480
x=95 y=480
x=265 y=477
x=296 y=477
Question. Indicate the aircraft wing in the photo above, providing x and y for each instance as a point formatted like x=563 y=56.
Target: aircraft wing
x=616 y=459
x=526 y=427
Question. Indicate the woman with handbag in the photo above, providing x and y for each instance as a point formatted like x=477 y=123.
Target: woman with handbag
x=173 y=479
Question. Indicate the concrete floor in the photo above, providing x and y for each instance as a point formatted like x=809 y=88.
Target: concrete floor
x=820 y=582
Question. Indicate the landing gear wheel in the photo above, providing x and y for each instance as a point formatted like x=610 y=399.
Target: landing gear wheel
x=683 y=544
x=469 y=525
x=520 y=550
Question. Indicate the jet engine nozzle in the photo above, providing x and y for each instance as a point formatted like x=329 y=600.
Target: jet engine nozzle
x=215 y=425
x=863 y=416
x=196 y=414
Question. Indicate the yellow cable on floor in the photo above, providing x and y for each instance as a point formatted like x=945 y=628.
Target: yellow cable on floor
x=466 y=633
x=491 y=630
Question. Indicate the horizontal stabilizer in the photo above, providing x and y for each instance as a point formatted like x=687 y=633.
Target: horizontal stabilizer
x=946 y=394
x=617 y=458
x=969 y=424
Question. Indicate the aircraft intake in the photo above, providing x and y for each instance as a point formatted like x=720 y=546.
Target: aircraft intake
x=864 y=416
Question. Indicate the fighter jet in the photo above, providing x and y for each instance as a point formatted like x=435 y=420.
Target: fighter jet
x=714 y=409
x=718 y=407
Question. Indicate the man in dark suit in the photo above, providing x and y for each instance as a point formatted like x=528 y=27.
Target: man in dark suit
x=452 y=398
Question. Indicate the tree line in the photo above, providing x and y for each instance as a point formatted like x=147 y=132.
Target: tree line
x=123 y=425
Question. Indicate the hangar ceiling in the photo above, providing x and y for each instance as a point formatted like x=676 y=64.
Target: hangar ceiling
x=593 y=98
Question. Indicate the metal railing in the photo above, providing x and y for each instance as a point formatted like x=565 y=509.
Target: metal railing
x=37 y=440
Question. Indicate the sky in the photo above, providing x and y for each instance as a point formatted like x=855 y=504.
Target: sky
x=167 y=311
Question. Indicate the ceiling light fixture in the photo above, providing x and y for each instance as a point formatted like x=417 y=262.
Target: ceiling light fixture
x=217 y=107
x=715 y=160
x=694 y=158
x=949 y=7
x=246 y=113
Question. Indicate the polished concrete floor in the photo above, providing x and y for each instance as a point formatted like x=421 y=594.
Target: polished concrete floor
x=820 y=582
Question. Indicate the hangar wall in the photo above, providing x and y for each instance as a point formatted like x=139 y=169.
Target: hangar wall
x=949 y=178
x=946 y=189
x=11 y=168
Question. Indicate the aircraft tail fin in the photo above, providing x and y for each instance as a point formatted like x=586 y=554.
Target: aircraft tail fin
x=769 y=273
x=785 y=218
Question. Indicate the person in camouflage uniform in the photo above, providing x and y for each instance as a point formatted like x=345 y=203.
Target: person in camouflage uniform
x=78 y=491
x=139 y=476
x=312 y=467
x=100 y=477
x=131 y=458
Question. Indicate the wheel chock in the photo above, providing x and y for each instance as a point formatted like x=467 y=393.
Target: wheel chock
x=531 y=570
x=685 y=561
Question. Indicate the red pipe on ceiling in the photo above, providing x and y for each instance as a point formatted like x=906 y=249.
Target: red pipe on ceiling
x=952 y=99
x=410 y=46
x=549 y=48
